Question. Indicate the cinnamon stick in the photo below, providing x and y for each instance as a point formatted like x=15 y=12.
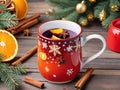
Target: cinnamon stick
x=26 y=55
x=84 y=78
x=8 y=2
x=33 y=82
x=24 y=22
x=11 y=8
x=27 y=25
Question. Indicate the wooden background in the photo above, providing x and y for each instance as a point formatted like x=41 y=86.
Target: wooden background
x=106 y=75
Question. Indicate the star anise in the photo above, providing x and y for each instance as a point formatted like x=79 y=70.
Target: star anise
x=64 y=34
x=61 y=60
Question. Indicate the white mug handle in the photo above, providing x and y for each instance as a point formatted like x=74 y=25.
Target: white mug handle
x=84 y=41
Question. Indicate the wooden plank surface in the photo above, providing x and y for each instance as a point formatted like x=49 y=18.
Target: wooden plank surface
x=107 y=67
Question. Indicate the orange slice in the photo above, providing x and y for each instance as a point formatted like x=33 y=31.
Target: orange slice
x=54 y=37
x=56 y=31
x=8 y=45
x=21 y=8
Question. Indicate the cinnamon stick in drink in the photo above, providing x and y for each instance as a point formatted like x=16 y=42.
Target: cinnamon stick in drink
x=34 y=82
x=26 y=55
x=84 y=78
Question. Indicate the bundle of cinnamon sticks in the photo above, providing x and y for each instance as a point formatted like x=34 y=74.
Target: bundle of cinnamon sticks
x=25 y=24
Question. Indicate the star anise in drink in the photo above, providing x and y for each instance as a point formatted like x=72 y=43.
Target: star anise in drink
x=64 y=34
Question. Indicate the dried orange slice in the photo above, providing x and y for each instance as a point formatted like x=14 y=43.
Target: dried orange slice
x=8 y=45
x=21 y=8
x=56 y=31
x=54 y=37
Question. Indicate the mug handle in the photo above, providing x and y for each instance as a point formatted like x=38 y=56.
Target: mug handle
x=84 y=41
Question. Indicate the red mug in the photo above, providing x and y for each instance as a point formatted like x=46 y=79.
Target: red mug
x=59 y=61
x=113 y=37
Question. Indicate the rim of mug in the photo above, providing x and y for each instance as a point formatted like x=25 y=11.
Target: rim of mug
x=67 y=39
x=114 y=22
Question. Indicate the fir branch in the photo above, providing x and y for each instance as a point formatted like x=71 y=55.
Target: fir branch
x=82 y=18
x=107 y=21
x=99 y=7
x=63 y=3
x=19 y=69
x=7 y=20
x=9 y=74
x=3 y=7
x=114 y=2
x=73 y=16
x=96 y=8
x=58 y=14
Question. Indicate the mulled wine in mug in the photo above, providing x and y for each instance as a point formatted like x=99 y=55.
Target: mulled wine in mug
x=60 y=55
x=113 y=38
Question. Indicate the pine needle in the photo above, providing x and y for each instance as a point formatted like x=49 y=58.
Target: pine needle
x=8 y=74
x=7 y=20
x=73 y=16
x=108 y=20
x=3 y=7
x=58 y=14
x=63 y=3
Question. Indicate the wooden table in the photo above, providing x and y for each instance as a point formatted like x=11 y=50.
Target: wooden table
x=106 y=75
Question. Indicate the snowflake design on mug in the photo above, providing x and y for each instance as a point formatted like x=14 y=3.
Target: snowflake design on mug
x=44 y=45
x=116 y=32
x=69 y=48
x=69 y=72
x=54 y=49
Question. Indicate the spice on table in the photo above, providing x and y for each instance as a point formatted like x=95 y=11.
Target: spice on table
x=25 y=56
x=84 y=78
x=34 y=82
x=27 y=32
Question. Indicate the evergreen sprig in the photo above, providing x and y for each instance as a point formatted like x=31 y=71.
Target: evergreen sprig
x=8 y=74
x=63 y=3
x=108 y=20
x=3 y=7
x=7 y=19
x=99 y=7
x=61 y=13
x=73 y=16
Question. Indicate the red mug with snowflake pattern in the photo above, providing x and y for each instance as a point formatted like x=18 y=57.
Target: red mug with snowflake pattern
x=60 y=61
x=113 y=37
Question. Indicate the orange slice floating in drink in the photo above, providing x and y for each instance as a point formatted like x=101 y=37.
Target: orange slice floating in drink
x=56 y=31
x=54 y=37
